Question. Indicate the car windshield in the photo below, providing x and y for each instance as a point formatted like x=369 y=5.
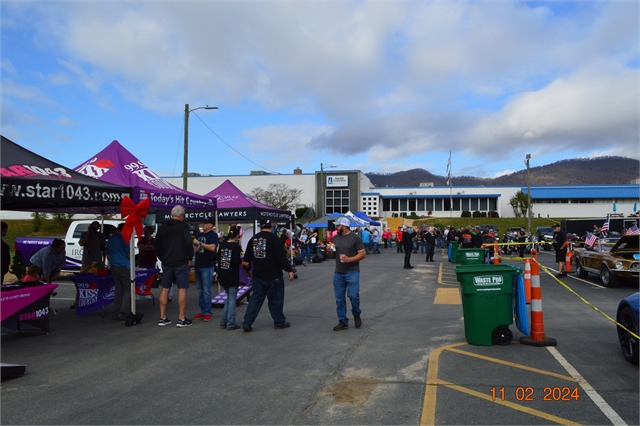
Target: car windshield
x=545 y=230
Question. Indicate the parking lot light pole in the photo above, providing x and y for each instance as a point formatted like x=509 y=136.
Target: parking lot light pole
x=185 y=170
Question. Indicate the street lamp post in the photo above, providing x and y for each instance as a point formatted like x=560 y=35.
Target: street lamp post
x=322 y=190
x=528 y=196
x=185 y=171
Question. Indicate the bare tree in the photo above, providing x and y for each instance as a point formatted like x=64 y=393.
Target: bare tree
x=277 y=195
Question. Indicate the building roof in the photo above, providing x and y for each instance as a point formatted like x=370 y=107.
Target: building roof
x=585 y=192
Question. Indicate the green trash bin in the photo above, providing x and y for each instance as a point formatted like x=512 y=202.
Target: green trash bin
x=472 y=256
x=487 y=302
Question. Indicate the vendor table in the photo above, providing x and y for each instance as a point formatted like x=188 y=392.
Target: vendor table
x=26 y=305
x=95 y=292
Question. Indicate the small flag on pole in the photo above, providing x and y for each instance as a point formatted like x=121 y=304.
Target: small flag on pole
x=604 y=231
x=633 y=231
x=590 y=239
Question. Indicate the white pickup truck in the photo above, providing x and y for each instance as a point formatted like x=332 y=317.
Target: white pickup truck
x=27 y=246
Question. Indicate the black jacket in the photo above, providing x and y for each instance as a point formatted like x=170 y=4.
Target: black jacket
x=266 y=251
x=174 y=246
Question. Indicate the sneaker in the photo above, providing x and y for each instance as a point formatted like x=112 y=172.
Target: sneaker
x=283 y=325
x=341 y=326
x=198 y=316
x=206 y=318
x=119 y=316
x=137 y=297
x=357 y=321
x=148 y=297
x=235 y=327
x=163 y=321
x=223 y=324
x=184 y=323
x=247 y=328
x=559 y=276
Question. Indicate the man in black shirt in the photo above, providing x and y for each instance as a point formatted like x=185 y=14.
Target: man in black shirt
x=267 y=253
x=560 y=246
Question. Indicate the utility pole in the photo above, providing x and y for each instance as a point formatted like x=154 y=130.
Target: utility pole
x=528 y=196
x=185 y=170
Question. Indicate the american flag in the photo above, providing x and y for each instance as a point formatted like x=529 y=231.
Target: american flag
x=604 y=231
x=633 y=231
x=590 y=239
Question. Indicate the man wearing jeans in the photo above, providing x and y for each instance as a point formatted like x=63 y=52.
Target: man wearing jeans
x=175 y=251
x=266 y=252
x=348 y=249
x=205 y=245
x=118 y=255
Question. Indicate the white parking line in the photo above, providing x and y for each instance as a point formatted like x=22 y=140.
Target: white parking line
x=595 y=396
x=580 y=279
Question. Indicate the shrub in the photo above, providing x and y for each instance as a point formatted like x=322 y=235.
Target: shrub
x=465 y=213
x=493 y=213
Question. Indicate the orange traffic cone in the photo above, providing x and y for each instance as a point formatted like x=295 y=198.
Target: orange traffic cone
x=496 y=259
x=527 y=281
x=568 y=258
x=535 y=273
x=537 y=336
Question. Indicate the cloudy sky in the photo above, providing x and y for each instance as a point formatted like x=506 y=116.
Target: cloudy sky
x=375 y=86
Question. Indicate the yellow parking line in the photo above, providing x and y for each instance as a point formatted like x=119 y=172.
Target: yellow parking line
x=508 y=404
x=512 y=364
x=429 y=404
x=428 y=416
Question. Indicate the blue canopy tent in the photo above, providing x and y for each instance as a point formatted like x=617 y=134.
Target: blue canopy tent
x=363 y=216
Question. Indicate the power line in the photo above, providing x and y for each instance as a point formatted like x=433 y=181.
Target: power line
x=230 y=147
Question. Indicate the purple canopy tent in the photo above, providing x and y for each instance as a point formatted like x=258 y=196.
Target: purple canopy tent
x=115 y=164
x=235 y=206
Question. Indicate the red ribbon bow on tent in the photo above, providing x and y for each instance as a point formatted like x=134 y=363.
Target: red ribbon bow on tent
x=134 y=214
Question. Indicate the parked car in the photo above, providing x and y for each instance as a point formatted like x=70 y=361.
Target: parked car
x=628 y=316
x=544 y=237
x=621 y=261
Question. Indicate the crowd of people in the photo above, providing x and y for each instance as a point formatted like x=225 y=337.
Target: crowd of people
x=218 y=258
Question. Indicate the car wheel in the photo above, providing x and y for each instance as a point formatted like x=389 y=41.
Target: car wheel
x=607 y=278
x=628 y=343
x=580 y=272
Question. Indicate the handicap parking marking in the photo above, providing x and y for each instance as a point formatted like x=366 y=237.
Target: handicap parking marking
x=433 y=381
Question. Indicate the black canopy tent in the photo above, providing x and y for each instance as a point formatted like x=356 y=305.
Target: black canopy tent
x=29 y=182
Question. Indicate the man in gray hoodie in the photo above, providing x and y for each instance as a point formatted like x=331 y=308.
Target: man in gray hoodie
x=175 y=250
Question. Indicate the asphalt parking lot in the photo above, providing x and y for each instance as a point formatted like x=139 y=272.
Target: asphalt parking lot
x=408 y=364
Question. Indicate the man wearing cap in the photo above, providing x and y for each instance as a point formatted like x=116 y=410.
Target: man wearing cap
x=348 y=250
x=560 y=246
x=266 y=252
x=205 y=245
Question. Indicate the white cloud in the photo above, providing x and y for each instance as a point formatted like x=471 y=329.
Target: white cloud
x=385 y=80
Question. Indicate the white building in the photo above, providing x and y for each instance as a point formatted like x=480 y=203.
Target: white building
x=351 y=190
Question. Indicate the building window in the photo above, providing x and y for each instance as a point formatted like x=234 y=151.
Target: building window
x=456 y=204
x=493 y=204
x=421 y=205
x=403 y=205
x=412 y=204
x=465 y=204
x=386 y=205
x=483 y=204
x=337 y=201
x=429 y=205
x=474 y=204
x=395 y=205
x=437 y=204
